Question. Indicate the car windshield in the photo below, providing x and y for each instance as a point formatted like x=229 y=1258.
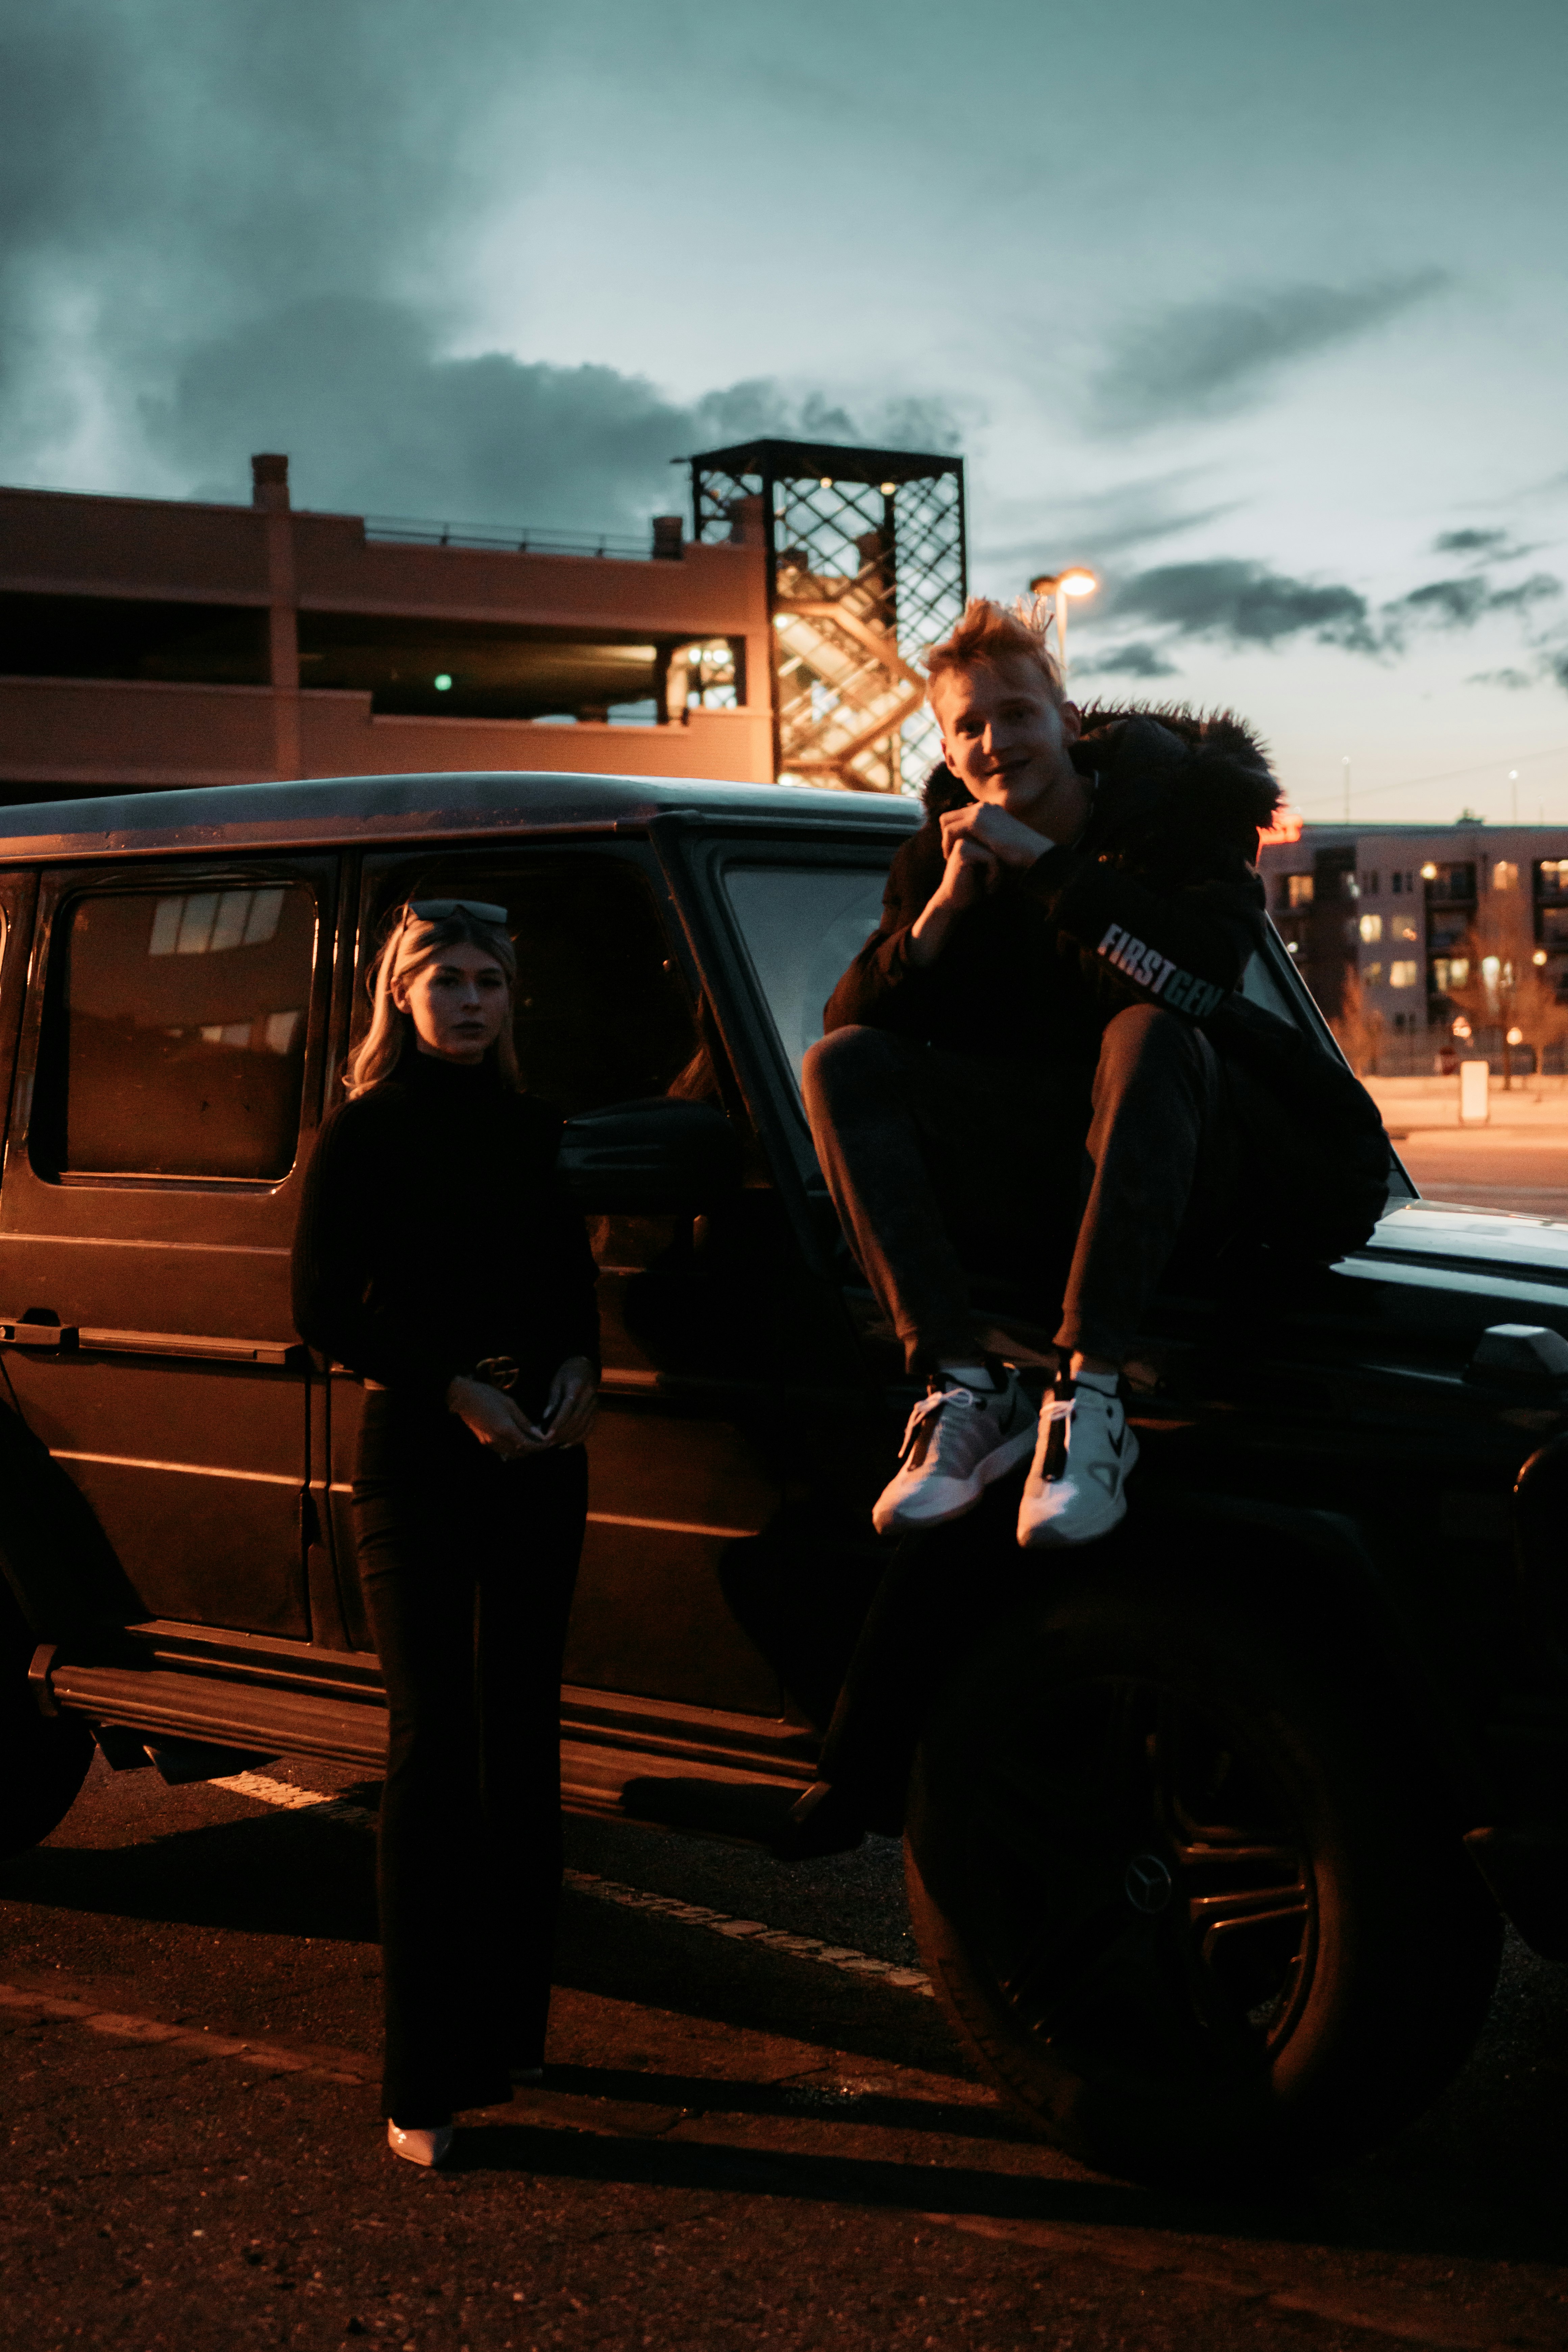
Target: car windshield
x=803 y=926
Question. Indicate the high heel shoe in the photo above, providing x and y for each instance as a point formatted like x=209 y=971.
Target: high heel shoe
x=416 y=2146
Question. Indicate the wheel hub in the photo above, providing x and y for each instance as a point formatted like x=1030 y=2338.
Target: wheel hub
x=1147 y=1884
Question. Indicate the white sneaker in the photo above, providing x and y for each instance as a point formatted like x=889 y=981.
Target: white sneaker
x=417 y=2147
x=1076 y=1488
x=958 y=1440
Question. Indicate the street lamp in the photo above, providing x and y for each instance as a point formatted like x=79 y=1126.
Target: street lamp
x=1060 y=586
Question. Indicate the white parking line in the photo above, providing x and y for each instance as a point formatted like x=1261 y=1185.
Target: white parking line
x=283 y=1794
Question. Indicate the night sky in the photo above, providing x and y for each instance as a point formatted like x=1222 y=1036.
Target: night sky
x=1255 y=306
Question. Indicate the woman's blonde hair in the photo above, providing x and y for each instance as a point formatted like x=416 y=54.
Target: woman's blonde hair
x=411 y=942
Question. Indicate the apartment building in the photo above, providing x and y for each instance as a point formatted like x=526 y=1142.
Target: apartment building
x=1435 y=938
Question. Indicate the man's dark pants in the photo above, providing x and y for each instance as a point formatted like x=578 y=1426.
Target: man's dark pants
x=944 y=1168
x=1072 y=1185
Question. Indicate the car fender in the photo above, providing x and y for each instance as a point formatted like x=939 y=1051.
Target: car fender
x=1318 y=1574
x=61 y=1570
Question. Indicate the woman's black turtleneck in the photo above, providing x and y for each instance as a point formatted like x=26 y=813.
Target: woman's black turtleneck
x=435 y=1231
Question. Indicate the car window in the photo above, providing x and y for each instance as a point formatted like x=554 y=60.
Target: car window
x=803 y=927
x=600 y=1014
x=178 y=1041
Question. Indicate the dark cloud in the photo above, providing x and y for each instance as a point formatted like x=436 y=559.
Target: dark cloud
x=1483 y=546
x=1245 y=604
x=1210 y=359
x=237 y=227
x=1460 y=603
x=1537 y=590
x=1452 y=604
x=1139 y=660
x=378 y=421
x=1100 y=525
x=168 y=169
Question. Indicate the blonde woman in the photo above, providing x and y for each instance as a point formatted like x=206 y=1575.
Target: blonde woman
x=438 y=1259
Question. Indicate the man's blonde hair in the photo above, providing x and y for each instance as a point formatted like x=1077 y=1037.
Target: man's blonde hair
x=992 y=632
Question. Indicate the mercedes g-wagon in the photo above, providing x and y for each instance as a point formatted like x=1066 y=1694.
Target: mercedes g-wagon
x=1210 y=1836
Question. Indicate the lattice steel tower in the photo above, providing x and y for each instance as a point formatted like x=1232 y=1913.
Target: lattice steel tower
x=866 y=568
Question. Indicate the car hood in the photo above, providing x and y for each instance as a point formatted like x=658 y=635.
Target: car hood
x=1435 y=1231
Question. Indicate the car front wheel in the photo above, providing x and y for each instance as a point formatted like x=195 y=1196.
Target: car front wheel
x=1183 y=1903
x=43 y=1761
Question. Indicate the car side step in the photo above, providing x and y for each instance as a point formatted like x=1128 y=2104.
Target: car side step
x=592 y=1777
x=227 y=1714
x=598 y=1753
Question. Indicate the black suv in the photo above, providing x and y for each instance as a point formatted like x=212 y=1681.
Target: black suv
x=1209 y=1832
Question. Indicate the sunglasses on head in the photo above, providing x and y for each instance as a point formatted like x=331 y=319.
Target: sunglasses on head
x=436 y=910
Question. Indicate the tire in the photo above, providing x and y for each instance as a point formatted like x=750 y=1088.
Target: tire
x=43 y=1759
x=1181 y=1902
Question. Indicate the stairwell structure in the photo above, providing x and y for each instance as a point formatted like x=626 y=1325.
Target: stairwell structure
x=866 y=568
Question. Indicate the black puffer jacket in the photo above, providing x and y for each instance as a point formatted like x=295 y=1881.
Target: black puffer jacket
x=1158 y=901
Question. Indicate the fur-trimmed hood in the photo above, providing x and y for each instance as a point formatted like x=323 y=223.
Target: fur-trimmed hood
x=1159 y=764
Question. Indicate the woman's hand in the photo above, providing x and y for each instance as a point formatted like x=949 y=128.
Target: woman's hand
x=572 y=1402
x=495 y=1420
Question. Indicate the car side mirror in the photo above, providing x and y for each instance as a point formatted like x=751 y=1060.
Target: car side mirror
x=650 y=1158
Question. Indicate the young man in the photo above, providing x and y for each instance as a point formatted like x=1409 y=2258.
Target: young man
x=1014 y=1072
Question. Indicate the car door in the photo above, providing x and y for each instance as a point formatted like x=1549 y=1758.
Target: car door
x=167 y=1070
x=677 y=1474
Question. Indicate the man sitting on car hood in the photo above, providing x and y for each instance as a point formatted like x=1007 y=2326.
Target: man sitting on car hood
x=1016 y=1070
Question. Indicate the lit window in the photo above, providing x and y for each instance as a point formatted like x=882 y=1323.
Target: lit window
x=1371 y=927
x=1402 y=975
x=1505 y=876
x=208 y=922
x=1459 y=970
x=1298 y=890
x=1403 y=928
x=1371 y=972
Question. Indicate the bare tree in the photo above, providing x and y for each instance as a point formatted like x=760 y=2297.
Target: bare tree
x=1494 y=979
x=1358 y=1028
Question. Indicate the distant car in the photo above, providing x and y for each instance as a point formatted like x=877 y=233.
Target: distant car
x=1208 y=1840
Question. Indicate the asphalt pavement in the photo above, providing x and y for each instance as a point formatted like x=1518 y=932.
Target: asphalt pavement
x=755 y=2130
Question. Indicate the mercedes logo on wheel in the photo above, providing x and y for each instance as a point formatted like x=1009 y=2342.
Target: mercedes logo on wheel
x=1148 y=1883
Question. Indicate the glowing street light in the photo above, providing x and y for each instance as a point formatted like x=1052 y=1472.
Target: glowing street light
x=1061 y=586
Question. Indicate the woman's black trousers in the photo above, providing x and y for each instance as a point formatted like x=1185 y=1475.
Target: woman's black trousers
x=467 y=1565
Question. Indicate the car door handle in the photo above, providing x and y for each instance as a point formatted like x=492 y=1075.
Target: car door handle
x=20 y=1334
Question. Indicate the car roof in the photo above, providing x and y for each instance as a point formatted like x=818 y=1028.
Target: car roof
x=344 y=809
